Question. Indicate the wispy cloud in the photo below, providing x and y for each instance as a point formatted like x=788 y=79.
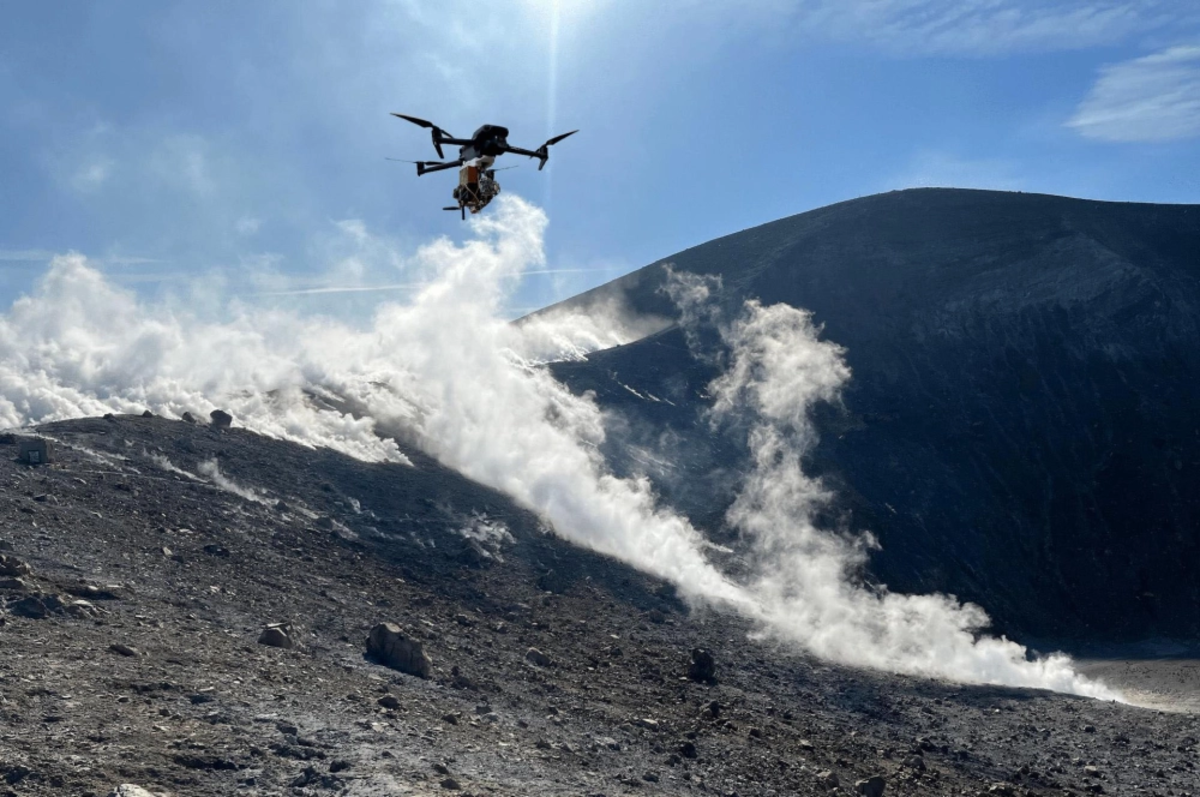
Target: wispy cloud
x=975 y=28
x=332 y=289
x=92 y=176
x=247 y=225
x=25 y=255
x=1154 y=98
x=45 y=256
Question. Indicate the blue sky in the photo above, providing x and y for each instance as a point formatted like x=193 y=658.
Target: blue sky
x=246 y=141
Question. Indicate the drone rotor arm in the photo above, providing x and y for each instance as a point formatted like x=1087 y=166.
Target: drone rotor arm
x=557 y=139
x=542 y=153
x=439 y=135
x=425 y=167
x=518 y=151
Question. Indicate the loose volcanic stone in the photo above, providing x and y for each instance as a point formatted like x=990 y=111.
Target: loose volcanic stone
x=275 y=636
x=390 y=646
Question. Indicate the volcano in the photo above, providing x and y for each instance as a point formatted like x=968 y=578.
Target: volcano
x=1019 y=429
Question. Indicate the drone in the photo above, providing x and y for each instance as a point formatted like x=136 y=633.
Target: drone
x=477 y=184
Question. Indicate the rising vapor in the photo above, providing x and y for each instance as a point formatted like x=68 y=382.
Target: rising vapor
x=443 y=371
x=805 y=586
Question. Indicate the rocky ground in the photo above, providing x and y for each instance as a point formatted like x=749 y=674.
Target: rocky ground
x=142 y=566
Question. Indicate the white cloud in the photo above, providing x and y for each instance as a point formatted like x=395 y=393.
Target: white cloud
x=26 y=255
x=976 y=28
x=91 y=176
x=1154 y=98
x=182 y=162
x=247 y=225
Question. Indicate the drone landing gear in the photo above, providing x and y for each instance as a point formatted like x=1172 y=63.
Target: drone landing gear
x=462 y=208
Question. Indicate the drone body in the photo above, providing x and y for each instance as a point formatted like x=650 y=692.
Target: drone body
x=477 y=184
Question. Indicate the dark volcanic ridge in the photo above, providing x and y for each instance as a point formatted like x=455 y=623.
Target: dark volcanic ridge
x=152 y=554
x=1019 y=428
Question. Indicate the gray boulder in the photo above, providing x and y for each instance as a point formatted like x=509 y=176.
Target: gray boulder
x=536 y=657
x=221 y=419
x=12 y=567
x=871 y=787
x=277 y=635
x=130 y=790
x=703 y=666
x=390 y=646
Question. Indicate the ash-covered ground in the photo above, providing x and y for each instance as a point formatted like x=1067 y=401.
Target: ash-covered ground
x=143 y=564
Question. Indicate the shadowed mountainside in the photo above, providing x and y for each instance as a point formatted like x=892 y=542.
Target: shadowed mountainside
x=1020 y=426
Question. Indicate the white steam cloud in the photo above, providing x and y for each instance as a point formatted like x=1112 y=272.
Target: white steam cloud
x=805 y=588
x=444 y=371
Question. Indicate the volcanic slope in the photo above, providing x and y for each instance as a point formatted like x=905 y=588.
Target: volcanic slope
x=1019 y=429
x=183 y=542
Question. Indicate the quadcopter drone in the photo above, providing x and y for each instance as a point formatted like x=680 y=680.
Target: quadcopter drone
x=477 y=184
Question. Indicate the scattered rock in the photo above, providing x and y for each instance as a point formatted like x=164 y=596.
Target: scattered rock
x=129 y=790
x=536 y=657
x=915 y=762
x=828 y=779
x=17 y=585
x=13 y=567
x=688 y=749
x=311 y=777
x=188 y=418
x=208 y=762
x=277 y=635
x=147 y=414
x=220 y=551
x=871 y=787
x=451 y=784
x=388 y=645
x=389 y=701
x=340 y=765
x=82 y=608
x=124 y=650
x=37 y=607
x=221 y=419
x=35 y=451
x=703 y=667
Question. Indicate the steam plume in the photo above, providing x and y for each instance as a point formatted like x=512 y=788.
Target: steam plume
x=454 y=378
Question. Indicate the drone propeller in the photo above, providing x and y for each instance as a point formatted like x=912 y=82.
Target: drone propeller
x=437 y=132
x=543 y=152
